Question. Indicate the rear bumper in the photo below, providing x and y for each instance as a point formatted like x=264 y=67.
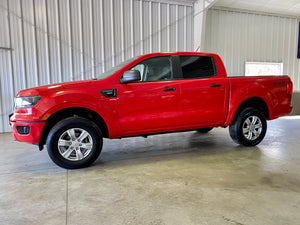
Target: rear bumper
x=282 y=113
x=27 y=131
x=290 y=110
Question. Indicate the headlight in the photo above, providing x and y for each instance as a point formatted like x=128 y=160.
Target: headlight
x=23 y=102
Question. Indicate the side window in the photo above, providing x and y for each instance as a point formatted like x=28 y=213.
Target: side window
x=155 y=69
x=140 y=67
x=197 y=66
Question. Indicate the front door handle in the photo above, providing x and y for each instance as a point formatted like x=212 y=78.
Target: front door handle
x=216 y=85
x=169 y=89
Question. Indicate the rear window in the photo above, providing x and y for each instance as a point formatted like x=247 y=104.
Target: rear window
x=197 y=66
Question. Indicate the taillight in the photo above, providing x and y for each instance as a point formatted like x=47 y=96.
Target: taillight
x=290 y=87
x=289 y=90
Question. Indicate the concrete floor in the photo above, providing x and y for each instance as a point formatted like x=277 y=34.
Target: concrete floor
x=181 y=178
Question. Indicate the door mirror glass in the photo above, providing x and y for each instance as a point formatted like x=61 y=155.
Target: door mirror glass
x=130 y=76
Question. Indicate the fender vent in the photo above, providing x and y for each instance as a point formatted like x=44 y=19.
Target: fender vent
x=109 y=93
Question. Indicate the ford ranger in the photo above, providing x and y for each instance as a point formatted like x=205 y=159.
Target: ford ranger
x=151 y=94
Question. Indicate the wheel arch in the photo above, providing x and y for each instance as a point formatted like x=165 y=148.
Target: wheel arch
x=69 y=112
x=254 y=102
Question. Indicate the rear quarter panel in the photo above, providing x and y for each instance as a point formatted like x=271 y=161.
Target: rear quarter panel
x=271 y=89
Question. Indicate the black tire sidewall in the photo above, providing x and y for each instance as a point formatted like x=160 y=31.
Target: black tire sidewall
x=64 y=125
x=238 y=127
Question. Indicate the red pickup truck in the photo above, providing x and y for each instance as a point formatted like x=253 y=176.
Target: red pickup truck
x=150 y=94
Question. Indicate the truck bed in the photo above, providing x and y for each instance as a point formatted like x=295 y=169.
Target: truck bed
x=275 y=90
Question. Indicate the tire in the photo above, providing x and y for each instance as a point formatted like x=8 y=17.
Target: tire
x=74 y=142
x=205 y=130
x=249 y=127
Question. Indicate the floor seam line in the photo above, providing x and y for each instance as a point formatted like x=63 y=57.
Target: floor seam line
x=67 y=196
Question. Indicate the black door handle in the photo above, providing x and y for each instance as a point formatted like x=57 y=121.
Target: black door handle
x=169 y=89
x=216 y=85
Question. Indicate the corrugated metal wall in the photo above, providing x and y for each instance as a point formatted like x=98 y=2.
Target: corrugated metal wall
x=249 y=36
x=50 y=41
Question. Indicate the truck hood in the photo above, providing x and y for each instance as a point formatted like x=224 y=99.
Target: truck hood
x=54 y=87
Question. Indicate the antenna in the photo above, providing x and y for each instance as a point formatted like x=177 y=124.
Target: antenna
x=197 y=48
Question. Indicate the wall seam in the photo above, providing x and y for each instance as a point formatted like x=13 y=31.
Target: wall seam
x=48 y=44
x=11 y=53
x=59 y=43
x=71 y=40
x=82 y=49
x=23 y=45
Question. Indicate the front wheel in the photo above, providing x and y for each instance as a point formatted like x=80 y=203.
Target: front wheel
x=74 y=143
x=249 y=128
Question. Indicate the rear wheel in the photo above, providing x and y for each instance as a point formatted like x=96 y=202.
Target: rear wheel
x=249 y=128
x=74 y=143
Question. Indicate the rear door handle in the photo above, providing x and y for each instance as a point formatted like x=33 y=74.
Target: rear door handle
x=169 y=89
x=216 y=85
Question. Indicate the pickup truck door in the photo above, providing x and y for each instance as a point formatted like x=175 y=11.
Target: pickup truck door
x=203 y=92
x=154 y=102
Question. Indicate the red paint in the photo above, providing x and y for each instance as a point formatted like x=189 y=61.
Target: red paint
x=143 y=107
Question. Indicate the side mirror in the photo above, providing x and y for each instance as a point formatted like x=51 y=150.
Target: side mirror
x=130 y=76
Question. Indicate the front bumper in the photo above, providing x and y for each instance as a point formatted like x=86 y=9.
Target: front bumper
x=26 y=131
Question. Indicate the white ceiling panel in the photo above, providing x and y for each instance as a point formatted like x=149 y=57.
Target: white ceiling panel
x=284 y=7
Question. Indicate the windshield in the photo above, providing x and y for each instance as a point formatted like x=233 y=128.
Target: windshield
x=115 y=69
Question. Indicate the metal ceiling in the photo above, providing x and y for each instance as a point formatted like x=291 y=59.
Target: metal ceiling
x=283 y=7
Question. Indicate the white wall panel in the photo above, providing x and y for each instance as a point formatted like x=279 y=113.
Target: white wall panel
x=117 y=32
x=30 y=56
x=64 y=40
x=128 y=29
x=98 y=31
x=108 y=34
x=164 y=28
x=181 y=27
x=147 y=25
x=16 y=38
x=249 y=36
x=77 y=41
x=189 y=29
x=42 y=44
x=154 y=35
x=173 y=18
x=53 y=41
x=6 y=78
x=6 y=95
